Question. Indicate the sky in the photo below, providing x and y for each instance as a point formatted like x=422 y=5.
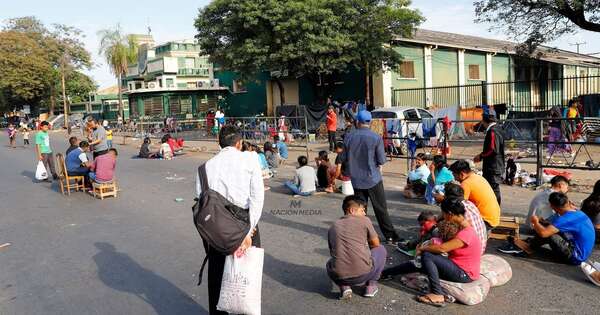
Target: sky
x=174 y=20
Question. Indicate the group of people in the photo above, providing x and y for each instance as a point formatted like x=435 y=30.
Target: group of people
x=12 y=132
x=169 y=147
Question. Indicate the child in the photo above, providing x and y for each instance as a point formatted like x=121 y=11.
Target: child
x=12 y=135
x=103 y=167
x=26 y=136
x=325 y=172
x=282 y=149
x=165 y=149
x=357 y=257
x=447 y=230
x=428 y=223
x=417 y=179
x=109 y=137
x=304 y=180
x=270 y=155
x=511 y=170
x=145 y=150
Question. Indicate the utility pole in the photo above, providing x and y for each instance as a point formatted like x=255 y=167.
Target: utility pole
x=578 y=44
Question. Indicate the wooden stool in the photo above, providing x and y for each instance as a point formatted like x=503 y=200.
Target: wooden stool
x=71 y=182
x=508 y=226
x=104 y=189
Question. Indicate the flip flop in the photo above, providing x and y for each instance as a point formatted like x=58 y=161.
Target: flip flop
x=427 y=300
x=588 y=270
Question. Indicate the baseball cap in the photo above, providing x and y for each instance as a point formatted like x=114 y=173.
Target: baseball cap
x=363 y=116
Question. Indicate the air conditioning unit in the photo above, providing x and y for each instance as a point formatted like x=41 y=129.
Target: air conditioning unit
x=199 y=84
x=151 y=85
x=214 y=83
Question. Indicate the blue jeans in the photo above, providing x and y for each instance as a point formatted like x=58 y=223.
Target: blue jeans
x=378 y=254
x=435 y=266
x=296 y=189
x=109 y=143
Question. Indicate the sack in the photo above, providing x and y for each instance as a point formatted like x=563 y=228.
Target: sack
x=221 y=224
x=495 y=269
x=40 y=172
x=242 y=283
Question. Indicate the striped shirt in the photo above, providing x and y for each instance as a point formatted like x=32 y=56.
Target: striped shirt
x=472 y=215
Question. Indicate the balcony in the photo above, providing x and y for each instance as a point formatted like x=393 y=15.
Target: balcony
x=205 y=72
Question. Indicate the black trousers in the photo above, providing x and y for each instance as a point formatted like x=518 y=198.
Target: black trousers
x=562 y=248
x=99 y=153
x=494 y=180
x=379 y=203
x=216 y=263
x=331 y=139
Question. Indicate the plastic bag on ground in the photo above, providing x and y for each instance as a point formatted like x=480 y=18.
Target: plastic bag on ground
x=40 y=172
x=242 y=283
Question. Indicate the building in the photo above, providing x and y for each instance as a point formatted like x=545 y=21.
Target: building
x=444 y=69
x=103 y=103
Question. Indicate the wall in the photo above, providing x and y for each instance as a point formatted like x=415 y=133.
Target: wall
x=445 y=73
x=249 y=103
x=415 y=54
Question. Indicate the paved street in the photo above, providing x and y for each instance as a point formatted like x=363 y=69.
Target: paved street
x=140 y=253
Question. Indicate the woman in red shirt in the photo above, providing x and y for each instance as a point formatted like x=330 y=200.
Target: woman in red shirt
x=463 y=261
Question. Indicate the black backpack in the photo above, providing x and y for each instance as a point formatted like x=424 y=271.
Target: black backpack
x=221 y=224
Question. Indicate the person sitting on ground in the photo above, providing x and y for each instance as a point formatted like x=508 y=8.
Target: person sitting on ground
x=416 y=183
x=145 y=150
x=462 y=264
x=270 y=155
x=357 y=257
x=591 y=207
x=428 y=228
x=165 y=149
x=325 y=172
x=341 y=167
x=73 y=144
x=478 y=190
x=282 y=149
x=570 y=233
x=439 y=175
x=304 y=180
x=453 y=190
x=103 y=167
x=262 y=160
x=77 y=162
x=176 y=145
x=540 y=206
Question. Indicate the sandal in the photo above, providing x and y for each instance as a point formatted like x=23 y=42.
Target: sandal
x=426 y=299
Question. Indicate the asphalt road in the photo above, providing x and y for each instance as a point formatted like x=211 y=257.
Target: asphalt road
x=140 y=253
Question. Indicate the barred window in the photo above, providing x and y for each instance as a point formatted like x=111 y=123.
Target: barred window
x=407 y=69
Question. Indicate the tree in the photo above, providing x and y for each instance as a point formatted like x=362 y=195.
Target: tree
x=79 y=86
x=118 y=50
x=295 y=38
x=537 y=21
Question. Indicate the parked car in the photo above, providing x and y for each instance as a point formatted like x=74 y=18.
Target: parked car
x=403 y=121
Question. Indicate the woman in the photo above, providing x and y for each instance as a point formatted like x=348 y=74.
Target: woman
x=145 y=150
x=556 y=134
x=439 y=175
x=271 y=156
x=462 y=264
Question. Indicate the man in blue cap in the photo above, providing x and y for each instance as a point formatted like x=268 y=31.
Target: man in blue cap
x=493 y=153
x=364 y=156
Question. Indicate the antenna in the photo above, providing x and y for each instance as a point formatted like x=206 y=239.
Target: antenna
x=148 y=25
x=578 y=44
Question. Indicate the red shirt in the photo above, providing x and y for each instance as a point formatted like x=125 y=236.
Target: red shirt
x=468 y=257
x=331 y=121
x=104 y=166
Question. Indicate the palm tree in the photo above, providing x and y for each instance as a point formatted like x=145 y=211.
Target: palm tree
x=118 y=50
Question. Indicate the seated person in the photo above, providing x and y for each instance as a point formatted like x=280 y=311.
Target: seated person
x=341 y=167
x=439 y=175
x=103 y=167
x=540 y=206
x=357 y=257
x=416 y=183
x=270 y=155
x=462 y=264
x=428 y=228
x=472 y=215
x=445 y=230
x=73 y=144
x=77 y=162
x=570 y=233
x=478 y=191
x=304 y=180
x=591 y=207
x=145 y=150
x=325 y=172
x=165 y=149
x=282 y=149
x=175 y=144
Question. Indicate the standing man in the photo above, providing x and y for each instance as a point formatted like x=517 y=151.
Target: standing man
x=493 y=153
x=43 y=150
x=97 y=137
x=331 y=127
x=237 y=176
x=365 y=155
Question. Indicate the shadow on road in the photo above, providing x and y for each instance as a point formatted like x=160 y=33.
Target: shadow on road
x=120 y=272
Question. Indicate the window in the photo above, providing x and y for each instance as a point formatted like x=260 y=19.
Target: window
x=180 y=104
x=407 y=69
x=474 y=72
x=411 y=114
x=153 y=106
x=239 y=87
x=582 y=72
x=424 y=113
x=170 y=83
x=189 y=63
x=382 y=114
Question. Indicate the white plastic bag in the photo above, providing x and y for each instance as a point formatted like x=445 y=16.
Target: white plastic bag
x=40 y=172
x=242 y=283
x=347 y=189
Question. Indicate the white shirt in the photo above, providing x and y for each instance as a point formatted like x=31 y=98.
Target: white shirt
x=237 y=176
x=83 y=157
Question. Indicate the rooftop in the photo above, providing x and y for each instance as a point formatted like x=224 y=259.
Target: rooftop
x=550 y=54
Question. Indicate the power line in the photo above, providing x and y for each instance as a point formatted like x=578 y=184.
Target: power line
x=578 y=44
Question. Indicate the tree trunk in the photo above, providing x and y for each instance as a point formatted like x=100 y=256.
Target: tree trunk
x=52 y=101
x=121 y=110
x=367 y=86
x=64 y=95
x=281 y=91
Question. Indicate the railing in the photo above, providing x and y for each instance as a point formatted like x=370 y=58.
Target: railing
x=527 y=95
x=193 y=71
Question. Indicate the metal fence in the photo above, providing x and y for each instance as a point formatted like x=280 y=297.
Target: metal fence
x=526 y=95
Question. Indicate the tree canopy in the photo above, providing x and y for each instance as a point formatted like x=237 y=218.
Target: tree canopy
x=537 y=21
x=303 y=37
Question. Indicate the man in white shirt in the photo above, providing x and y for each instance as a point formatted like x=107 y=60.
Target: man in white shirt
x=237 y=176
